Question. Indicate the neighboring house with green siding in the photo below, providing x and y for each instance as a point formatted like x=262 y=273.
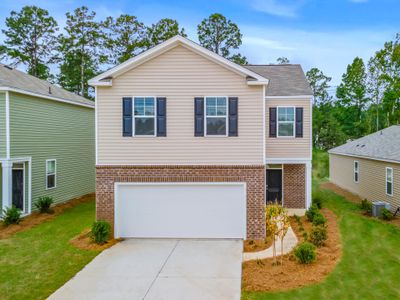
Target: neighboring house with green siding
x=47 y=141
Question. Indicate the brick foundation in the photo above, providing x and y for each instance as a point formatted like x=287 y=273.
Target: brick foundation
x=254 y=176
x=294 y=186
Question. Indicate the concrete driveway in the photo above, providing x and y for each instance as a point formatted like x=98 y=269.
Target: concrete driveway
x=160 y=269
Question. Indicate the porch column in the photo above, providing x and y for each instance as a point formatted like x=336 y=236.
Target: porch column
x=6 y=166
x=308 y=184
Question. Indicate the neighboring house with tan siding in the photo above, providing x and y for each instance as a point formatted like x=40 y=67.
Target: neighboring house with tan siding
x=369 y=166
x=190 y=144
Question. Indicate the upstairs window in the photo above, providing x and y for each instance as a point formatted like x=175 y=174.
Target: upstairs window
x=50 y=173
x=356 y=171
x=286 y=117
x=216 y=116
x=389 y=181
x=144 y=116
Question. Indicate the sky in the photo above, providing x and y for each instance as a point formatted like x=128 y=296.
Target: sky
x=327 y=34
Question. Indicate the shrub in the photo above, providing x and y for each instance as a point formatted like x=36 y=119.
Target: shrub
x=366 y=205
x=305 y=253
x=11 y=215
x=305 y=236
x=318 y=235
x=317 y=201
x=100 y=232
x=43 y=204
x=311 y=212
x=319 y=219
x=386 y=214
x=297 y=219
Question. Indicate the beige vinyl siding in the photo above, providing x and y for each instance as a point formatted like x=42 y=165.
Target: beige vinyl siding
x=180 y=75
x=288 y=147
x=372 y=178
x=3 y=151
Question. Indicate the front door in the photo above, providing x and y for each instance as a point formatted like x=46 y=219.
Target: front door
x=274 y=186
x=18 y=188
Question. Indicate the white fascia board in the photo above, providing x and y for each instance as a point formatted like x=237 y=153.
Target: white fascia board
x=287 y=160
x=16 y=90
x=169 y=44
x=297 y=97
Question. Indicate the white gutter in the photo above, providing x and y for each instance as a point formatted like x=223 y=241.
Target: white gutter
x=20 y=91
x=366 y=157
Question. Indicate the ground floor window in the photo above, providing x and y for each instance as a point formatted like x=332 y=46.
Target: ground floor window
x=50 y=173
x=356 y=171
x=389 y=181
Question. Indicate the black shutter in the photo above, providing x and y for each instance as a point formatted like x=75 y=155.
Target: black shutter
x=198 y=116
x=161 y=116
x=299 y=122
x=272 y=122
x=127 y=116
x=233 y=116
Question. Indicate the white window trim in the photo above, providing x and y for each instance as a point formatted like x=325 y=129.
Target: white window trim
x=226 y=117
x=134 y=117
x=287 y=122
x=356 y=171
x=55 y=174
x=386 y=182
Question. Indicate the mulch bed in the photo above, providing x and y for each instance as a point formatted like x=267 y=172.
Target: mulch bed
x=257 y=245
x=261 y=275
x=37 y=218
x=83 y=241
x=355 y=199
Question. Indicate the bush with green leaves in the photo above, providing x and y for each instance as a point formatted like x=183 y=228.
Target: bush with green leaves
x=11 y=215
x=305 y=253
x=317 y=200
x=386 y=214
x=311 y=212
x=319 y=219
x=366 y=205
x=43 y=204
x=318 y=235
x=100 y=233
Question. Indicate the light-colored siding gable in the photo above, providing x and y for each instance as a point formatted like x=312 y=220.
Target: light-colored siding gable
x=180 y=75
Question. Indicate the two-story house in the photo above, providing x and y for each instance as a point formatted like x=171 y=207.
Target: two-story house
x=192 y=145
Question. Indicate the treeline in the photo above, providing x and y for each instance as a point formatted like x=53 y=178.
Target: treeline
x=367 y=99
x=87 y=46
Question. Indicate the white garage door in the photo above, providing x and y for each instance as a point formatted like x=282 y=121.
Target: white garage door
x=180 y=210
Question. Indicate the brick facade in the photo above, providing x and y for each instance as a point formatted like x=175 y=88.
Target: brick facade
x=294 y=186
x=254 y=176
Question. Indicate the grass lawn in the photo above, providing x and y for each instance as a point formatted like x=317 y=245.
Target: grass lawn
x=370 y=265
x=36 y=262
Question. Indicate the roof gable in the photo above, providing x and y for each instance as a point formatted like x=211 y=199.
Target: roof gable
x=105 y=79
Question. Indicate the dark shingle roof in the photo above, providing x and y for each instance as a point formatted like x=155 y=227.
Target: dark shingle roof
x=284 y=80
x=381 y=145
x=13 y=78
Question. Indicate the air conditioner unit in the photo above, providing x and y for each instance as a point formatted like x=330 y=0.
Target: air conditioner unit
x=377 y=208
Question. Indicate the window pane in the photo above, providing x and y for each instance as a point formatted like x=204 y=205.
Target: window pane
x=144 y=126
x=139 y=106
x=149 y=106
x=211 y=109
x=221 y=106
x=216 y=126
x=286 y=114
x=51 y=181
x=389 y=174
x=389 y=188
x=356 y=177
x=285 y=129
x=51 y=167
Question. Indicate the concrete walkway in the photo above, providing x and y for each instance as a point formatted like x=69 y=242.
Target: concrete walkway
x=289 y=242
x=160 y=269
